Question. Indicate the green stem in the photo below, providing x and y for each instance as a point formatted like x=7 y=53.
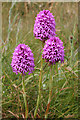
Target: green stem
x=71 y=52
x=40 y=84
x=24 y=96
x=50 y=91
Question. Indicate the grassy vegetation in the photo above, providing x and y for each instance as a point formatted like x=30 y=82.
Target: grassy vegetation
x=17 y=27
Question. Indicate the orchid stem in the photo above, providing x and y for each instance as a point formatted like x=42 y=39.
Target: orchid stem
x=40 y=85
x=24 y=96
x=50 y=91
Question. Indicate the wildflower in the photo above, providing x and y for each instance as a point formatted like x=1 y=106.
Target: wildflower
x=44 y=26
x=71 y=38
x=22 y=60
x=53 y=50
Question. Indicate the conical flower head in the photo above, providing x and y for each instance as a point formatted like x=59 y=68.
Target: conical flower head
x=44 y=26
x=22 y=60
x=53 y=50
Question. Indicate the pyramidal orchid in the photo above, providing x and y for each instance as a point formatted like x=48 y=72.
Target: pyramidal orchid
x=53 y=52
x=23 y=62
x=44 y=28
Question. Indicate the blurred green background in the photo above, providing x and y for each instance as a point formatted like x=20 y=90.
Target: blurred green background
x=17 y=27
